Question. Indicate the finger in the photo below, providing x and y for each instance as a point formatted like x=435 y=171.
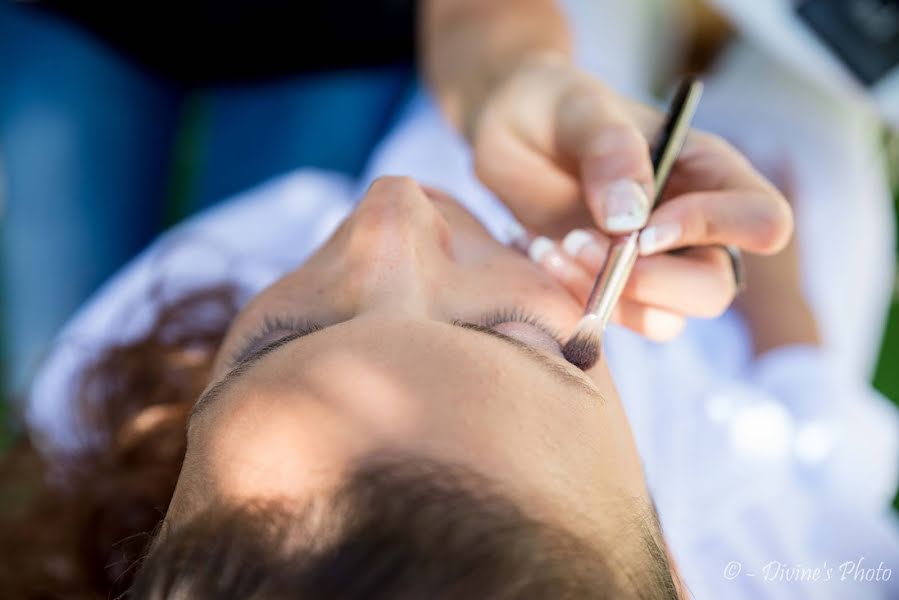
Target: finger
x=655 y=323
x=612 y=156
x=518 y=237
x=537 y=191
x=588 y=248
x=709 y=163
x=561 y=267
x=698 y=282
x=749 y=219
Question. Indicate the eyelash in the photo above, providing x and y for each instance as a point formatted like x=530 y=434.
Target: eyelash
x=510 y=315
x=302 y=327
x=270 y=325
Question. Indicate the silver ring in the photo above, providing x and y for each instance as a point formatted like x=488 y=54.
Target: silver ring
x=737 y=266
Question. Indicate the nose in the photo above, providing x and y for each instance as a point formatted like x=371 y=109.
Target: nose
x=399 y=243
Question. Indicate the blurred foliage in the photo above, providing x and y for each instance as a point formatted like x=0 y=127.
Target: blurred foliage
x=886 y=378
x=187 y=158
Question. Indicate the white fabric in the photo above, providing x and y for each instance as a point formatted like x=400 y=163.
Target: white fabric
x=774 y=26
x=250 y=240
x=790 y=458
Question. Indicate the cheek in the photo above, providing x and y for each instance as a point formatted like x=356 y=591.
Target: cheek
x=472 y=248
x=526 y=285
x=312 y=293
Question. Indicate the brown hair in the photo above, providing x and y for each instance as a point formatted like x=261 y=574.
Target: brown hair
x=396 y=529
x=76 y=525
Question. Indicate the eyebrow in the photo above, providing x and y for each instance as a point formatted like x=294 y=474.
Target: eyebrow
x=557 y=370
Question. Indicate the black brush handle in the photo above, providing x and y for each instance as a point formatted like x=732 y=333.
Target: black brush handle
x=674 y=132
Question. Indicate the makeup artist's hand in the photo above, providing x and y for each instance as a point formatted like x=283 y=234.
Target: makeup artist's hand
x=662 y=291
x=562 y=150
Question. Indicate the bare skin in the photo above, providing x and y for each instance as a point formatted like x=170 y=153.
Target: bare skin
x=564 y=152
x=407 y=365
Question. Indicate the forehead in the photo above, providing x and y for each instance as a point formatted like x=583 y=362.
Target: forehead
x=391 y=380
x=295 y=421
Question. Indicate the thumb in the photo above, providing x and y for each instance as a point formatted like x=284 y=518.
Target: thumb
x=612 y=156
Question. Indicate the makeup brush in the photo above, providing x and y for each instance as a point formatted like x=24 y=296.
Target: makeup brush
x=583 y=348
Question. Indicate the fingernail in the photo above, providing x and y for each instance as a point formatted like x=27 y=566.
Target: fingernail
x=540 y=247
x=514 y=230
x=575 y=241
x=659 y=237
x=625 y=205
x=545 y=253
x=518 y=236
x=583 y=246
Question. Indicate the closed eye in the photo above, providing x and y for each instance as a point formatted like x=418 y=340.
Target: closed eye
x=557 y=367
x=275 y=330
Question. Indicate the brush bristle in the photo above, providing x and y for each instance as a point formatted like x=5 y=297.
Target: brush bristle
x=582 y=350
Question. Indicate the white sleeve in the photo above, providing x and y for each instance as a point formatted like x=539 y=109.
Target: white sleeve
x=793 y=468
x=844 y=432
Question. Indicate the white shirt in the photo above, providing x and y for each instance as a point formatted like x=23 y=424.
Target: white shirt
x=789 y=460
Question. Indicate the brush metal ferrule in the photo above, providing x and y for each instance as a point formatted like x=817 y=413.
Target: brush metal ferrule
x=612 y=279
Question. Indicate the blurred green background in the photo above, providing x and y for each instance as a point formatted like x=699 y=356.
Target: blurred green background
x=886 y=378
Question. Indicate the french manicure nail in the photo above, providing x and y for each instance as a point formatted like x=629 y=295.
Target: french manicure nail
x=540 y=247
x=545 y=253
x=583 y=246
x=659 y=237
x=514 y=230
x=626 y=206
x=518 y=236
x=576 y=240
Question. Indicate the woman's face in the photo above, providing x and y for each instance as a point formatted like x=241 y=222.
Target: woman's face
x=411 y=332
